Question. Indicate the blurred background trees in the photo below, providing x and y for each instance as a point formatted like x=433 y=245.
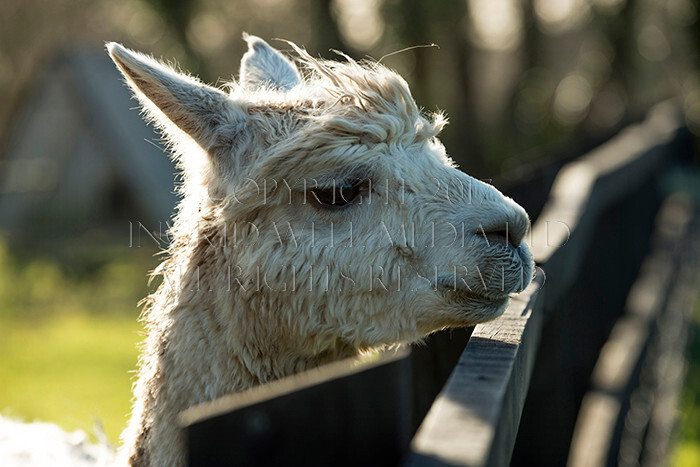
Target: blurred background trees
x=512 y=75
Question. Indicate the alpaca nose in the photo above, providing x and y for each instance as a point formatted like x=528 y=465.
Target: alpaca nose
x=510 y=225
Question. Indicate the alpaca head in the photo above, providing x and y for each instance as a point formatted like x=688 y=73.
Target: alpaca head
x=328 y=209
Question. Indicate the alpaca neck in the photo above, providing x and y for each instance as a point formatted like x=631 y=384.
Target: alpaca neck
x=200 y=347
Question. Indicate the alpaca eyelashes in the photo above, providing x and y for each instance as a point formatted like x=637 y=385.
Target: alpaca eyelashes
x=339 y=195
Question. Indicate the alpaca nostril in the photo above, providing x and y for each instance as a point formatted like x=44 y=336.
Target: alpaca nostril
x=509 y=231
x=497 y=235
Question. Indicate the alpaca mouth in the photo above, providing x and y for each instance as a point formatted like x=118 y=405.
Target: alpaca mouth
x=461 y=293
x=470 y=297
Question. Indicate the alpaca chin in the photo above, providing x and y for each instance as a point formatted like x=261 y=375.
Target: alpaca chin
x=472 y=309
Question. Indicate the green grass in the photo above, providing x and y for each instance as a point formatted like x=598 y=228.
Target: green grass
x=69 y=344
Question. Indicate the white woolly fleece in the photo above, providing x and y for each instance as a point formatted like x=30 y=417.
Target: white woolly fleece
x=265 y=277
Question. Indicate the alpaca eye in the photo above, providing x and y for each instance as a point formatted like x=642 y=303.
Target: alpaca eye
x=338 y=195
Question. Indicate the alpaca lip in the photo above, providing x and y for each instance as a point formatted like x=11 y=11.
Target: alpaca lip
x=464 y=295
x=468 y=299
x=453 y=292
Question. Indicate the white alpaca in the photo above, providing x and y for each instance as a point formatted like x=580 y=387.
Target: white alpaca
x=320 y=217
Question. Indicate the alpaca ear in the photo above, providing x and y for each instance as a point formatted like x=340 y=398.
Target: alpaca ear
x=264 y=66
x=195 y=108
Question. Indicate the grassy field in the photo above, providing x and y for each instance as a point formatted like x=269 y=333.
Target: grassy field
x=70 y=337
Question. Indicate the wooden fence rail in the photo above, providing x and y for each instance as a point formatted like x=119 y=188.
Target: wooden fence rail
x=622 y=383
x=507 y=391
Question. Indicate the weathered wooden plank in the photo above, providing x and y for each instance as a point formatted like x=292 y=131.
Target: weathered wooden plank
x=338 y=414
x=671 y=360
x=607 y=199
x=474 y=419
x=431 y=366
x=616 y=373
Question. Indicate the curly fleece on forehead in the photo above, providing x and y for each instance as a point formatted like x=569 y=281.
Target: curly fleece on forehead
x=364 y=101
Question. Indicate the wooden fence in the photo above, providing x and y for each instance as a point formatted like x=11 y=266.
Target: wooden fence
x=593 y=342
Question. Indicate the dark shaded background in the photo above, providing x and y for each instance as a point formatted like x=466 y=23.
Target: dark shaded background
x=513 y=75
